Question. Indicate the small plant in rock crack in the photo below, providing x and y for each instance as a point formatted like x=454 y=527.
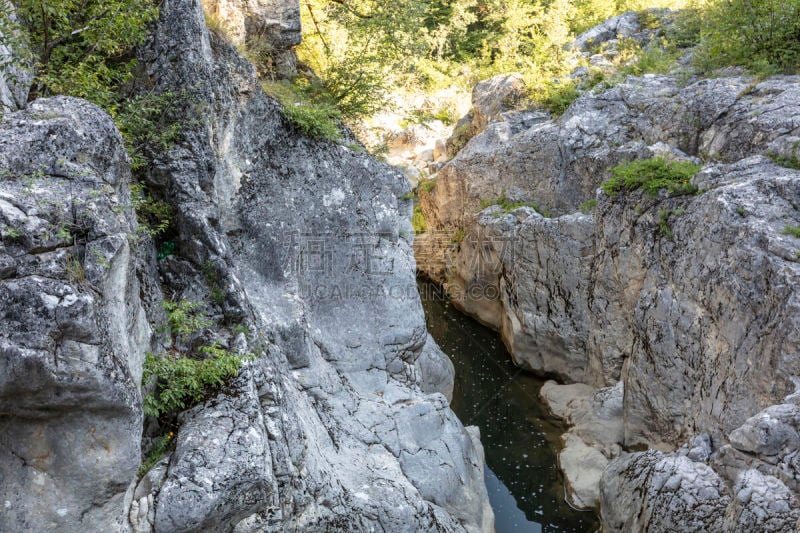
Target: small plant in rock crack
x=458 y=236
x=154 y=216
x=158 y=449
x=182 y=382
x=588 y=206
x=509 y=205
x=10 y=233
x=793 y=231
x=652 y=176
x=75 y=270
x=418 y=221
x=426 y=185
x=216 y=294
x=663 y=220
x=185 y=318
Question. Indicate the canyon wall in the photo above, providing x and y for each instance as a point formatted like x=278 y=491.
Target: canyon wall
x=299 y=251
x=690 y=301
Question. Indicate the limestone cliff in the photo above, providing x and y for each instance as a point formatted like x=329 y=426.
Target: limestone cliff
x=301 y=253
x=692 y=302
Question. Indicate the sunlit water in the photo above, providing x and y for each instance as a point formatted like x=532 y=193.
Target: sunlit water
x=525 y=486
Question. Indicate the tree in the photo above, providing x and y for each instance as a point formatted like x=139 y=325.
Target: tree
x=79 y=47
x=763 y=35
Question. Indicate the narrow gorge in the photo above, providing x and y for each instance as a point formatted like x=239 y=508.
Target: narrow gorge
x=218 y=316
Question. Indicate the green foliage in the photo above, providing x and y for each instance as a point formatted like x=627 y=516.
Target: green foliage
x=354 y=45
x=316 y=121
x=80 y=47
x=663 y=222
x=366 y=49
x=161 y=446
x=788 y=162
x=652 y=175
x=216 y=25
x=75 y=271
x=167 y=249
x=146 y=125
x=793 y=231
x=216 y=294
x=11 y=233
x=446 y=113
x=655 y=59
x=588 y=206
x=761 y=35
x=182 y=382
x=185 y=318
x=154 y=216
x=426 y=185
x=418 y=221
x=305 y=109
x=557 y=97
x=459 y=236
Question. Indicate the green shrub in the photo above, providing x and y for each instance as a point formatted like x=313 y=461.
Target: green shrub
x=80 y=47
x=588 y=205
x=182 y=382
x=418 y=221
x=184 y=318
x=793 y=231
x=459 y=236
x=655 y=59
x=426 y=185
x=317 y=119
x=557 y=97
x=146 y=125
x=652 y=175
x=160 y=447
x=154 y=216
x=761 y=35
x=216 y=292
x=788 y=162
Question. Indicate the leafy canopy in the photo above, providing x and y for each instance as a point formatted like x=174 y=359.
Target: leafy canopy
x=79 y=47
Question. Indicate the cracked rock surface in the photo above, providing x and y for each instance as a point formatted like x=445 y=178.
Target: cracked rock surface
x=302 y=247
x=691 y=302
x=73 y=329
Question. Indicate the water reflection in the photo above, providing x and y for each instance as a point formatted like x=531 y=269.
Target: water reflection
x=525 y=486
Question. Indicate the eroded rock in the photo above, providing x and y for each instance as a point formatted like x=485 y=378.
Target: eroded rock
x=73 y=331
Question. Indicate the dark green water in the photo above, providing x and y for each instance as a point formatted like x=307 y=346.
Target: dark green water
x=525 y=486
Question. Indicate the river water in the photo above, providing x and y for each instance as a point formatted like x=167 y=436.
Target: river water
x=520 y=438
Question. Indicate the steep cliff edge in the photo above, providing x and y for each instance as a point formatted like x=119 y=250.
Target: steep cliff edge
x=301 y=253
x=691 y=301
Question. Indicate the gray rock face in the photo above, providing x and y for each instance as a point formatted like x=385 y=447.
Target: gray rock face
x=494 y=96
x=339 y=424
x=272 y=25
x=649 y=491
x=72 y=328
x=594 y=438
x=15 y=79
x=624 y=25
x=592 y=298
x=559 y=164
x=692 y=301
x=491 y=99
